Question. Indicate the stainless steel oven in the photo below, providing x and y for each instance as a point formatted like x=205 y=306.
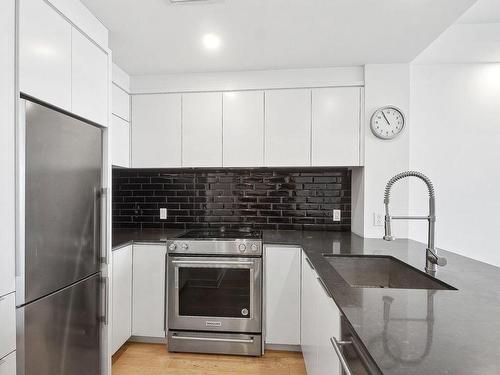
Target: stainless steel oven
x=215 y=292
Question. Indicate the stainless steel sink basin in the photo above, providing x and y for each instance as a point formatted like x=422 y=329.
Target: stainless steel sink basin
x=372 y=271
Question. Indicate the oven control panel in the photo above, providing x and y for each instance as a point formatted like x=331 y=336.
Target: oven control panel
x=215 y=247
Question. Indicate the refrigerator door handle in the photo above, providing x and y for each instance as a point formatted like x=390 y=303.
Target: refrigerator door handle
x=105 y=309
x=104 y=226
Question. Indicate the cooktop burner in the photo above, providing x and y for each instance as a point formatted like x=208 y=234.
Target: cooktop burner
x=222 y=234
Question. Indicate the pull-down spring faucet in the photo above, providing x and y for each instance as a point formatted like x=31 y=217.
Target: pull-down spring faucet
x=431 y=256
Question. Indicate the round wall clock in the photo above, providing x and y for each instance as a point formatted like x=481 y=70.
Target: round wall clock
x=387 y=122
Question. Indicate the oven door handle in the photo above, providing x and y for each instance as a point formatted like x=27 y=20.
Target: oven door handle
x=213 y=339
x=217 y=262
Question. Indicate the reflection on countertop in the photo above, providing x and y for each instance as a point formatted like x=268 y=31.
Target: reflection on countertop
x=406 y=331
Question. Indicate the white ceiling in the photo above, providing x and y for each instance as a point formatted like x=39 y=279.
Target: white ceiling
x=474 y=38
x=157 y=37
x=484 y=11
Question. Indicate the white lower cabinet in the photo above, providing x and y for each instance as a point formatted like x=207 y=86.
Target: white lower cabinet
x=148 y=298
x=320 y=321
x=8 y=324
x=8 y=364
x=282 y=291
x=121 y=322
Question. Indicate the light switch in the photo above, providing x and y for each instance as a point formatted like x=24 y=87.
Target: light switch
x=163 y=213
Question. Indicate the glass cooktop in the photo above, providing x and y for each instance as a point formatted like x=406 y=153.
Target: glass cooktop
x=222 y=234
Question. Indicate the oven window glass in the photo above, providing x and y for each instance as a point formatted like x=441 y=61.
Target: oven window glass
x=214 y=292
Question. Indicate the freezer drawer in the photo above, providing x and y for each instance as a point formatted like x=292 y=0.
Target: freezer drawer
x=60 y=334
x=8 y=324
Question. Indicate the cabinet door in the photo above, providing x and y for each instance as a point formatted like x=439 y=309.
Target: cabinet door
x=328 y=320
x=156 y=131
x=336 y=126
x=121 y=141
x=8 y=324
x=202 y=130
x=243 y=125
x=288 y=128
x=308 y=340
x=44 y=53
x=148 y=302
x=90 y=79
x=282 y=283
x=8 y=364
x=121 y=103
x=121 y=323
x=7 y=152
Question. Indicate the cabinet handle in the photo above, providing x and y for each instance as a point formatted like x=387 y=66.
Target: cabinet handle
x=323 y=286
x=336 y=346
x=310 y=264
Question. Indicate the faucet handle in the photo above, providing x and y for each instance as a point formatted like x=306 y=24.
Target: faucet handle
x=441 y=261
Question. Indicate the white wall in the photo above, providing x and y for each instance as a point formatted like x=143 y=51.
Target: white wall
x=387 y=84
x=455 y=140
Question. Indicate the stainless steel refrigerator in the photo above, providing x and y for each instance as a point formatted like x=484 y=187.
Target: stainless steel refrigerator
x=59 y=288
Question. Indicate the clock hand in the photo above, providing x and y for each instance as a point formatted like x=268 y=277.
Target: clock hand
x=388 y=123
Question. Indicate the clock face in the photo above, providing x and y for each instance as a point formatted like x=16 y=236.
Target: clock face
x=387 y=122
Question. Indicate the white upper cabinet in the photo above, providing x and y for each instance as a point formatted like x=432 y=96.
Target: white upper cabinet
x=121 y=103
x=44 y=54
x=156 y=131
x=243 y=123
x=336 y=126
x=90 y=79
x=202 y=130
x=288 y=128
x=121 y=142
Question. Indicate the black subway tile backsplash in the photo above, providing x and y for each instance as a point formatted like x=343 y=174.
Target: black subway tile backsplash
x=261 y=198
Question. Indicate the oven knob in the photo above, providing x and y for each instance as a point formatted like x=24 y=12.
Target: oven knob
x=172 y=247
x=242 y=247
x=254 y=247
x=184 y=246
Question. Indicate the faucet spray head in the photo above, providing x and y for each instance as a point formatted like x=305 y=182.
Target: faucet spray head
x=388 y=231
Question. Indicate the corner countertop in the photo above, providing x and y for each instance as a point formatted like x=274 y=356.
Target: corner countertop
x=439 y=332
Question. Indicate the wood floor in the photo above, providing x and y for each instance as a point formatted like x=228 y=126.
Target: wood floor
x=152 y=359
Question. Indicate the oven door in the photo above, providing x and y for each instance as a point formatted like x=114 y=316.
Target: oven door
x=215 y=294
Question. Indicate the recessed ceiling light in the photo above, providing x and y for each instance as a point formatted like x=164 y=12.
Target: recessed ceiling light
x=211 y=41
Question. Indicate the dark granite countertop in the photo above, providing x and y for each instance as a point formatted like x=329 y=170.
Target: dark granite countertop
x=124 y=237
x=422 y=332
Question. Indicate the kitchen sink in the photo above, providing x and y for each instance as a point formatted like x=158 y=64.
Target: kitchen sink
x=374 y=271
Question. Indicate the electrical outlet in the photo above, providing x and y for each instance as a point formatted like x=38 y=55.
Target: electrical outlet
x=378 y=219
x=163 y=213
x=336 y=215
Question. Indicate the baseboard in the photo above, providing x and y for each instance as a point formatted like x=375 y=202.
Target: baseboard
x=148 y=340
x=287 y=348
